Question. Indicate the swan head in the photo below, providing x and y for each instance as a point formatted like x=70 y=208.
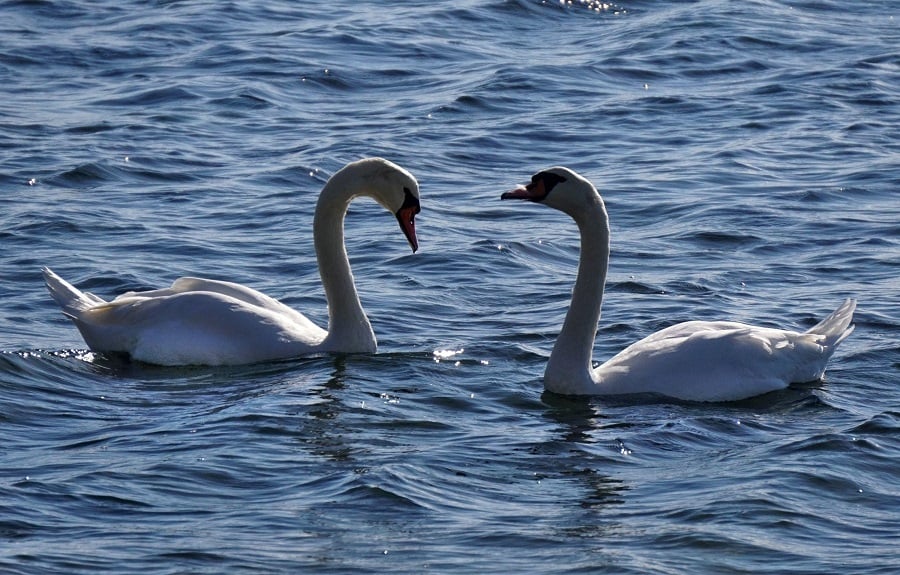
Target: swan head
x=388 y=184
x=559 y=188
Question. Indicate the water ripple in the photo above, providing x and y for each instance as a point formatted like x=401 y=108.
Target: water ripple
x=747 y=156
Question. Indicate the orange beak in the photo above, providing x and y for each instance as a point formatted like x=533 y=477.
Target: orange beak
x=534 y=192
x=406 y=215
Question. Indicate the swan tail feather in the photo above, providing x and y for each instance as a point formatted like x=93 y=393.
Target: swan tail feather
x=837 y=326
x=72 y=300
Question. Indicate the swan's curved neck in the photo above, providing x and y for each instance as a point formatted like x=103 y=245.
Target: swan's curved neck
x=347 y=322
x=570 y=361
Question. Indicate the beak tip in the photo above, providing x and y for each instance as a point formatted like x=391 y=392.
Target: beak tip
x=517 y=194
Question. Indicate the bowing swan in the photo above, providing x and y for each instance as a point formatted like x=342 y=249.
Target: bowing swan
x=694 y=360
x=209 y=322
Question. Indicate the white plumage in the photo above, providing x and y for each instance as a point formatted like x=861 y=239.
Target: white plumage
x=209 y=322
x=694 y=360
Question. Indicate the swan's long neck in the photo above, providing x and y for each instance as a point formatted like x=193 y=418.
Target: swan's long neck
x=569 y=368
x=347 y=322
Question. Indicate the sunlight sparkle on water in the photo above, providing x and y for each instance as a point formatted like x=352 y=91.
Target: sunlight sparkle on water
x=444 y=354
x=389 y=398
x=594 y=5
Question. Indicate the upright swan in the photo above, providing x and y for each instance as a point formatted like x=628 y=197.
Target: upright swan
x=209 y=322
x=694 y=360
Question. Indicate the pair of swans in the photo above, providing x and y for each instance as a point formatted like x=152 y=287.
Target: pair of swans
x=209 y=322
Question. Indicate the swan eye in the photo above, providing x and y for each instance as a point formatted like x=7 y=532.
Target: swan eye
x=542 y=183
x=410 y=201
x=549 y=179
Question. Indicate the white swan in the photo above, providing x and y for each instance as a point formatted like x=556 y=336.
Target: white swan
x=208 y=322
x=694 y=360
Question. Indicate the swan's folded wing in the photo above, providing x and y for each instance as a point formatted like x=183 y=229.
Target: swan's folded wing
x=229 y=289
x=707 y=361
x=196 y=327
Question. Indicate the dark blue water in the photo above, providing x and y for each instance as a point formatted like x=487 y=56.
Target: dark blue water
x=749 y=155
